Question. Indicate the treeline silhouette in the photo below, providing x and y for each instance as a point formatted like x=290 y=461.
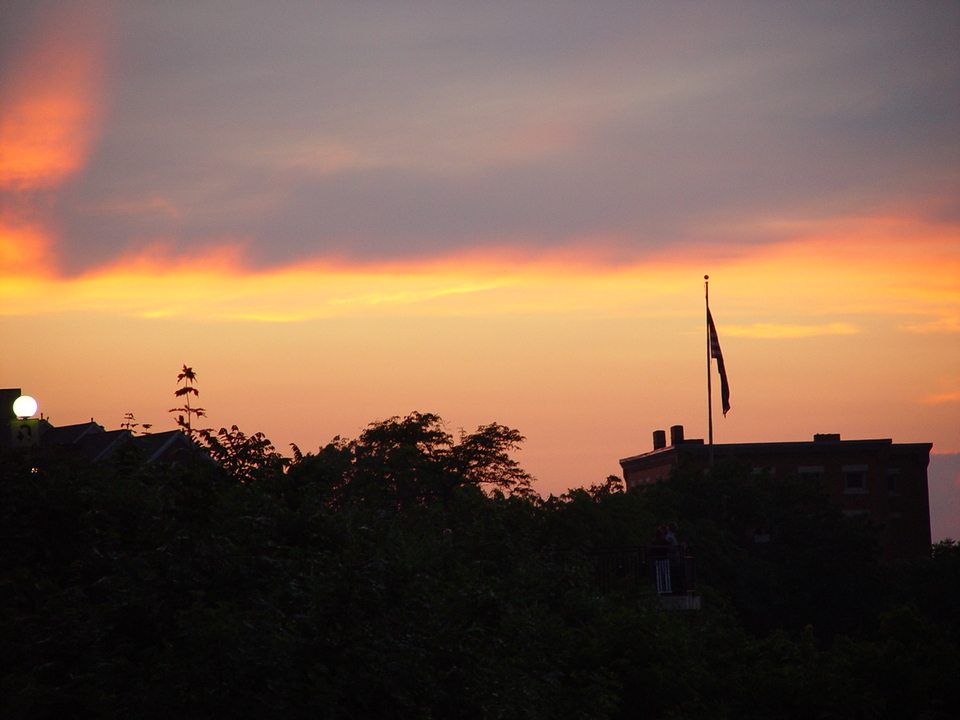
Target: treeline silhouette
x=411 y=573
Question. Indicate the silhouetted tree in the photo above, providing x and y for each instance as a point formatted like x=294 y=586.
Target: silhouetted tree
x=413 y=460
x=412 y=574
x=130 y=423
x=246 y=457
x=187 y=378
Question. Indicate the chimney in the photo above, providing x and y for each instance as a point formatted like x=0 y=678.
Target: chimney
x=676 y=435
x=659 y=439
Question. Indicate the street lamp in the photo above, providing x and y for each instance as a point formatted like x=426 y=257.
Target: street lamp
x=24 y=407
x=24 y=429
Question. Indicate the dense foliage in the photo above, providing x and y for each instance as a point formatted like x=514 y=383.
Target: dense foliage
x=412 y=574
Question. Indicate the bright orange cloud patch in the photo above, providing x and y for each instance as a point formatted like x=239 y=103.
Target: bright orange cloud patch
x=943 y=324
x=778 y=330
x=23 y=249
x=52 y=104
x=807 y=278
x=891 y=266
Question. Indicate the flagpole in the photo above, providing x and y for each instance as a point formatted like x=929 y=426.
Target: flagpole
x=706 y=296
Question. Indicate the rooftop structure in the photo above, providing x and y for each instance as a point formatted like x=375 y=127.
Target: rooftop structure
x=90 y=439
x=879 y=478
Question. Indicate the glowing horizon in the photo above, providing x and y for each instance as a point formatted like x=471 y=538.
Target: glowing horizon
x=923 y=284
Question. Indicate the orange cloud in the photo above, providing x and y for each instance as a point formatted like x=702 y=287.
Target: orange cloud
x=777 y=330
x=894 y=266
x=939 y=398
x=944 y=324
x=23 y=249
x=806 y=278
x=53 y=98
x=51 y=103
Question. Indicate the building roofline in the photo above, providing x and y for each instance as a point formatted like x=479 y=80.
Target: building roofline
x=110 y=439
x=819 y=446
x=171 y=439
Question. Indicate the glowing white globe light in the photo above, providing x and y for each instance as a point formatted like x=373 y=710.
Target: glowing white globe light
x=24 y=406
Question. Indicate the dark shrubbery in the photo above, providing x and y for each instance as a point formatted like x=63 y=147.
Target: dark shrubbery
x=411 y=574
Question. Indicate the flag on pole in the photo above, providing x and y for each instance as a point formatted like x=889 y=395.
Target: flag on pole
x=715 y=353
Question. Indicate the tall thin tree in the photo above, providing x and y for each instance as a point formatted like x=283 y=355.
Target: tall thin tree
x=187 y=378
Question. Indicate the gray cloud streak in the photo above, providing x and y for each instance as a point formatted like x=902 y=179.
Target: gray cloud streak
x=405 y=130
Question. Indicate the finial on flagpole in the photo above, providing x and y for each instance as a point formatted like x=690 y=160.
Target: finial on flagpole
x=706 y=277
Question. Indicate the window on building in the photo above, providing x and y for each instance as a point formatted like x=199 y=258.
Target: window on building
x=856 y=478
x=893 y=482
x=810 y=473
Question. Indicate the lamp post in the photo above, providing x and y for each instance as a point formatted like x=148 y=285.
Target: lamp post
x=24 y=407
x=25 y=429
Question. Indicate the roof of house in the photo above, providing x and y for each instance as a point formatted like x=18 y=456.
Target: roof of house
x=167 y=447
x=90 y=440
x=67 y=434
x=822 y=445
x=100 y=445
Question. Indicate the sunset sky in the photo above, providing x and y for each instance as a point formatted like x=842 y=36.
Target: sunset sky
x=337 y=212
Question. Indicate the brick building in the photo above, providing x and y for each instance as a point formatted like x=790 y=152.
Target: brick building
x=883 y=479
